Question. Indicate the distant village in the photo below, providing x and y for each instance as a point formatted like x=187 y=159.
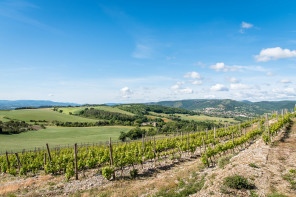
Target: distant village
x=221 y=112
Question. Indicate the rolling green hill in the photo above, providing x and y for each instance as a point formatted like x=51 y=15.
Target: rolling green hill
x=40 y=114
x=76 y=110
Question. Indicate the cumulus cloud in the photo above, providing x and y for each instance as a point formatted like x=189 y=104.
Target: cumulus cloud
x=186 y=90
x=239 y=86
x=193 y=75
x=274 y=54
x=285 y=81
x=175 y=87
x=232 y=80
x=126 y=92
x=269 y=74
x=220 y=66
x=196 y=82
x=219 y=87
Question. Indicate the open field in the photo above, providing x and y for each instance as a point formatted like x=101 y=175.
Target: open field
x=75 y=110
x=195 y=117
x=40 y=114
x=204 y=118
x=59 y=136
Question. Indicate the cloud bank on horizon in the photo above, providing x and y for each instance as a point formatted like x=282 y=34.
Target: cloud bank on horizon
x=138 y=52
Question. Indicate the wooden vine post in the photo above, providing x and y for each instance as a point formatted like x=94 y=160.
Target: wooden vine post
x=143 y=142
x=277 y=117
x=44 y=160
x=154 y=150
x=283 y=117
x=7 y=160
x=111 y=156
x=188 y=142
x=75 y=160
x=18 y=162
x=214 y=136
x=48 y=152
x=205 y=151
x=267 y=124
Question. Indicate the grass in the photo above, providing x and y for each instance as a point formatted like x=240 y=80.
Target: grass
x=183 y=189
x=276 y=195
x=75 y=110
x=204 y=118
x=41 y=114
x=59 y=136
x=291 y=178
x=196 y=117
x=253 y=165
x=223 y=161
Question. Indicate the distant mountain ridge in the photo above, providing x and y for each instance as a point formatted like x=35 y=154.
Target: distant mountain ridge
x=8 y=105
x=229 y=105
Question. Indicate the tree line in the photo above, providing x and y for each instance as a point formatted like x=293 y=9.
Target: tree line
x=14 y=127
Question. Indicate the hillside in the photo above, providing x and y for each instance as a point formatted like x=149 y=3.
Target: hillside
x=224 y=105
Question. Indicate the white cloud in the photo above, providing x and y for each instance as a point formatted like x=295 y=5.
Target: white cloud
x=142 y=52
x=232 y=80
x=193 y=75
x=220 y=66
x=175 y=87
x=219 y=87
x=269 y=74
x=209 y=96
x=274 y=54
x=186 y=90
x=246 y=25
x=196 y=82
x=285 y=81
x=50 y=95
x=239 y=86
x=126 y=92
x=180 y=83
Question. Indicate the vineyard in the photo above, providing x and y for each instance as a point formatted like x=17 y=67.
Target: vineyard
x=111 y=159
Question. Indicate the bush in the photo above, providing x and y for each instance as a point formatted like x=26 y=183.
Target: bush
x=237 y=182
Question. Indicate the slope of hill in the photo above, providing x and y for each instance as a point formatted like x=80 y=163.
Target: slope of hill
x=216 y=105
x=7 y=105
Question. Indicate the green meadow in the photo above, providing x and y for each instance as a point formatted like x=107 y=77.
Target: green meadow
x=40 y=114
x=59 y=136
x=75 y=110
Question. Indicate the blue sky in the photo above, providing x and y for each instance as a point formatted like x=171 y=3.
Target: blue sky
x=142 y=51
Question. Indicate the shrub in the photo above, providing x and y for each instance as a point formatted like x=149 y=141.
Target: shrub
x=237 y=182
